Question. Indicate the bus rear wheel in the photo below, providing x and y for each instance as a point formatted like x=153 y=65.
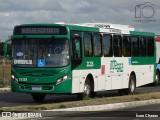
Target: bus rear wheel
x=132 y=85
x=157 y=81
x=38 y=98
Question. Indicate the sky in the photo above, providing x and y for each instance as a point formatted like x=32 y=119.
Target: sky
x=144 y=15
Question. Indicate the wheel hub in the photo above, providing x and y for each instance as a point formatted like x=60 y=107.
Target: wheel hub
x=86 y=90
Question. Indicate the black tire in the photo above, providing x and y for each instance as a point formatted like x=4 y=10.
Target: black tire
x=38 y=98
x=88 y=90
x=157 y=81
x=132 y=85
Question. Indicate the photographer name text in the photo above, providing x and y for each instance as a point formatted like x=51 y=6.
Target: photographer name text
x=146 y=115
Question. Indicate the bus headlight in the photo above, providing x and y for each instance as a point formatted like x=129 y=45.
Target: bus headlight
x=12 y=76
x=60 y=80
x=15 y=79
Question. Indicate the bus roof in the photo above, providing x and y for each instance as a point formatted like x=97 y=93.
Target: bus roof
x=109 y=25
x=103 y=27
x=125 y=29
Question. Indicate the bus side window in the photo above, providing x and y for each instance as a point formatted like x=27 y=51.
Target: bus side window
x=126 y=46
x=143 y=46
x=97 y=45
x=107 y=45
x=135 y=46
x=150 y=46
x=88 y=51
x=117 y=45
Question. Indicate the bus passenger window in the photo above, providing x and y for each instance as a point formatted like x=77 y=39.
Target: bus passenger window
x=150 y=46
x=97 y=45
x=117 y=44
x=143 y=46
x=107 y=45
x=126 y=46
x=135 y=46
x=88 y=45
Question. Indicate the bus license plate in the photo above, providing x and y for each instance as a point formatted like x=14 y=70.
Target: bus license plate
x=36 y=88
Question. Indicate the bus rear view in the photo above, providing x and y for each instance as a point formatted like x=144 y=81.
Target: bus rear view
x=40 y=60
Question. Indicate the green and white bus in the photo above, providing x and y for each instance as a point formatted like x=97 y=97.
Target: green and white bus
x=80 y=59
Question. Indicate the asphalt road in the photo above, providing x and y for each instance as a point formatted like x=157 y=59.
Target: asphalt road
x=10 y=99
x=149 y=112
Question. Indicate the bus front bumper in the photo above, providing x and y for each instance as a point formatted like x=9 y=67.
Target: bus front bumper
x=62 y=88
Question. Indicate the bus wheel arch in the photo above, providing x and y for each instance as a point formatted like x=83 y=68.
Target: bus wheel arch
x=131 y=85
x=88 y=90
x=89 y=81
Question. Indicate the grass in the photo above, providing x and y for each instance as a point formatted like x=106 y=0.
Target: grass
x=86 y=98
x=95 y=101
x=4 y=83
x=5 y=75
x=62 y=106
x=137 y=99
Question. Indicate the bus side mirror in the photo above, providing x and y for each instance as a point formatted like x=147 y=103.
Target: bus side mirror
x=7 y=55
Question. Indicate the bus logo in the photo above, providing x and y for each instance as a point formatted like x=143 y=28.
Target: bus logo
x=90 y=63
x=115 y=66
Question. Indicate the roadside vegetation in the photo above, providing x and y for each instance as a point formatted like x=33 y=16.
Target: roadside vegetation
x=5 y=74
x=5 y=67
x=5 y=83
x=85 y=102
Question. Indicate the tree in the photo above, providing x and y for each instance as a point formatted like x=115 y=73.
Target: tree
x=9 y=49
x=1 y=48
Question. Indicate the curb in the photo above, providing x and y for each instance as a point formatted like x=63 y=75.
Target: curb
x=109 y=107
x=5 y=89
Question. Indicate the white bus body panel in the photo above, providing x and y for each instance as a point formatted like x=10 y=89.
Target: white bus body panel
x=111 y=79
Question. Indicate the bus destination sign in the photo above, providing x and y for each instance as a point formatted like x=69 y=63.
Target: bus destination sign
x=40 y=30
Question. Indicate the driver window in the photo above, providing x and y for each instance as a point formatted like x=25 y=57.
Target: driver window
x=76 y=48
x=76 y=44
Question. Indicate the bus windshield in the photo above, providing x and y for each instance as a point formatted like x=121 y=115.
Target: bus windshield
x=40 y=52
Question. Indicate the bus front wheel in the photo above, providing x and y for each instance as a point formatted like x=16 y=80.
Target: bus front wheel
x=88 y=90
x=38 y=98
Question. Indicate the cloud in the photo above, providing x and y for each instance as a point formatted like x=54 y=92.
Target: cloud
x=15 y=12
x=28 y=5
